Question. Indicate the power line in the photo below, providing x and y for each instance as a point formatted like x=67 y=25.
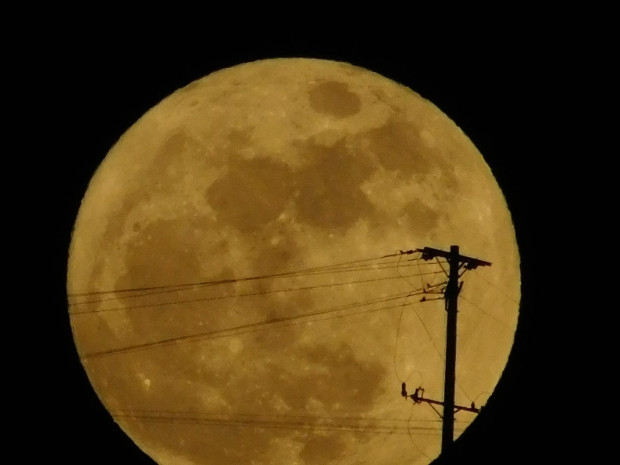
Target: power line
x=206 y=299
x=287 y=416
x=181 y=288
x=341 y=425
x=228 y=281
x=493 y=317
x=400 y=319
x=411 y=437
x=257 y=326
x=501 y=291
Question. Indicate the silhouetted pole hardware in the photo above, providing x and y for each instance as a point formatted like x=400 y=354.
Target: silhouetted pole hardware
x=418 y=398
x=456 y=263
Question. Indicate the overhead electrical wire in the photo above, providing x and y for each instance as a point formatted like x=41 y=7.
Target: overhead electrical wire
x=247 y=294
x=233 y=280
x=485 y=312
x=498 y=289
x=258 y=326
x=338 y=424
x=140 y=292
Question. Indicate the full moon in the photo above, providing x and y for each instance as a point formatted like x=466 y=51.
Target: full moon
x=244 y=277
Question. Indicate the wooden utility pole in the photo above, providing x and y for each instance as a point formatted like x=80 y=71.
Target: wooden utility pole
x=456 y=261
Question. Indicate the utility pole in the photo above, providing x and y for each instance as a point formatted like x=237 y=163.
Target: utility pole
x=456 y=261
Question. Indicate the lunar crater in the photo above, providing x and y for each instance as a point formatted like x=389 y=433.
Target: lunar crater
x=335 y=99
x=247 y=197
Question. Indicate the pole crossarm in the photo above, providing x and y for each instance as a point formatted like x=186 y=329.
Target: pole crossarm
x=418 y=398
x=470 y=263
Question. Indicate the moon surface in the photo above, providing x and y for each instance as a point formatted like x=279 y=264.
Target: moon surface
x=237 y=287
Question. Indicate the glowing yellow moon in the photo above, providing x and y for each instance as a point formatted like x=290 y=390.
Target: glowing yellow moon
x=237 y=292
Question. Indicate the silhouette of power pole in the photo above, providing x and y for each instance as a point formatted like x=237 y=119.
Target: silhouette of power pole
x=456 y=261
